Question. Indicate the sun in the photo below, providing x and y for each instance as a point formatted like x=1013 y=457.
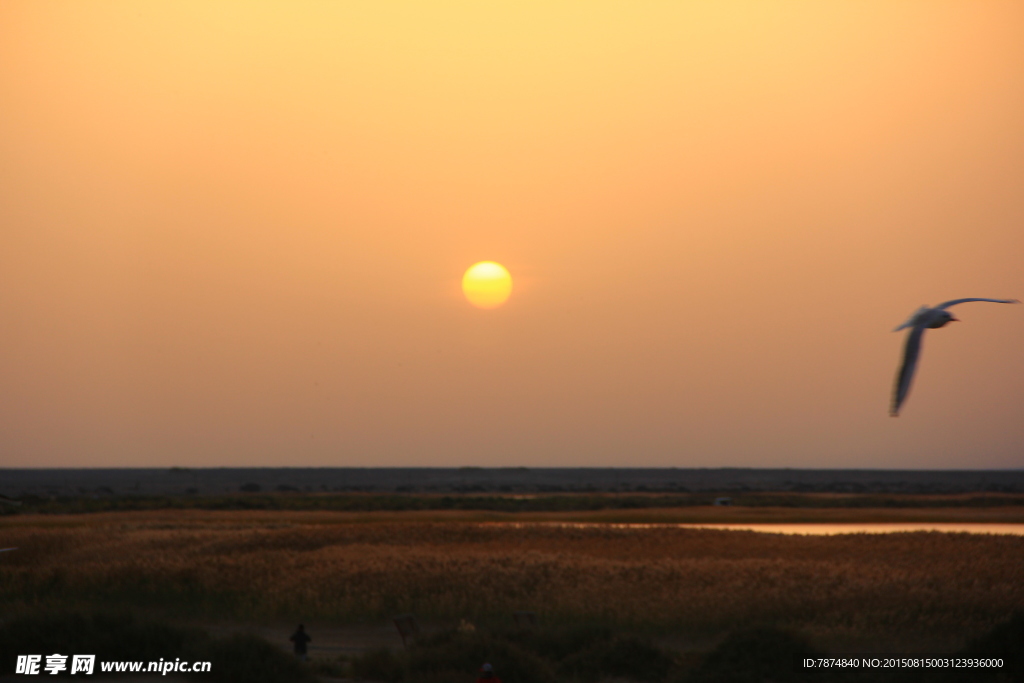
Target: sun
x=487 y=284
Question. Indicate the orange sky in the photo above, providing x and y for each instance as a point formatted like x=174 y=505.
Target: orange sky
x=233 y=233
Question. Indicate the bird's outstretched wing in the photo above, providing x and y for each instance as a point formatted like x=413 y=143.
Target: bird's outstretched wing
x=903 y=378
x=954 y=302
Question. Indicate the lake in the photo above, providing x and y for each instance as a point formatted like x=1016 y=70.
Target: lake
x=812 y=529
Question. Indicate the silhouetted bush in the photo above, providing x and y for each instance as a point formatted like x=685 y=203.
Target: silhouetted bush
x=1005 y=641
x=755 y=656
x=562 y=643
x=568 y=655
x=628 y=657
x=378 y=665
x=452 y=656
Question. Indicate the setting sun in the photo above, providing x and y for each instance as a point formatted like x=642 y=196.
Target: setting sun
x=487 y=284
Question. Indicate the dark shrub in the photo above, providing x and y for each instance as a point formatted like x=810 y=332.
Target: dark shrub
x=755 y=656
x=627 y=657
x=452 y=656
x=1005 y=641
x=560 y=644
x=378 y=665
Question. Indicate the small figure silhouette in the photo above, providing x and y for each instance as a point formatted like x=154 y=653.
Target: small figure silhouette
x=487 y=675
x=300 y=638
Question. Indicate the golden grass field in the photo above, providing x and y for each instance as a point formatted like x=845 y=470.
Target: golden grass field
x=909 y=590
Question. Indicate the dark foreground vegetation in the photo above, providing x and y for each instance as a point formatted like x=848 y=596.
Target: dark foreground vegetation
x=593 y=654
x=581 y=654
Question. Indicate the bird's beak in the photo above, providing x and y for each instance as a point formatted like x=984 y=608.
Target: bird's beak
x=955 y=320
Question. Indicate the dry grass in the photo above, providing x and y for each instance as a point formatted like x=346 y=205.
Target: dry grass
x=914 y=590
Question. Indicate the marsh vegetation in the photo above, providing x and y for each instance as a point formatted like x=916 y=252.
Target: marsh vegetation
x=909 y=590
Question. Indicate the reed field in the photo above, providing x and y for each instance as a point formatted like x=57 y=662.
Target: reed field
x=848 y=592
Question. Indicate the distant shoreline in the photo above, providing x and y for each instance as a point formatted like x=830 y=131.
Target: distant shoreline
x=601 y=508
x=503 y=481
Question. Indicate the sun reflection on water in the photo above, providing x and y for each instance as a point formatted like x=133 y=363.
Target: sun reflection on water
x=809 y=529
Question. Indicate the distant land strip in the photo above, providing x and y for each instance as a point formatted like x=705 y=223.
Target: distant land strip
x=502 y=481
x=500 y=490
x=552 y=503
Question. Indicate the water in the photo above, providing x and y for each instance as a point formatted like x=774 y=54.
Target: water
x=880 y=528
x=811 y=529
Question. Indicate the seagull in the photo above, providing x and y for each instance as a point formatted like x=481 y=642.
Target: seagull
x=922 y=319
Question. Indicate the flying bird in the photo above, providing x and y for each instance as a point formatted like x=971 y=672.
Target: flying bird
x=923 y=318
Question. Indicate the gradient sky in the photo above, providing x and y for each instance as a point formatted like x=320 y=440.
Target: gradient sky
x=233 y=233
